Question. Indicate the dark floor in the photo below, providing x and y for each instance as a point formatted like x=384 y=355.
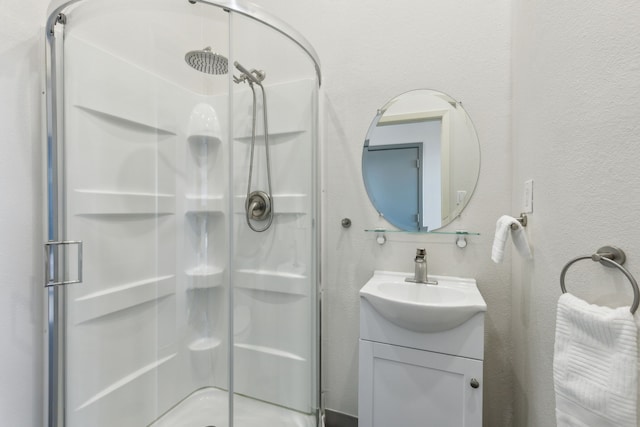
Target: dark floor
x=337 y=419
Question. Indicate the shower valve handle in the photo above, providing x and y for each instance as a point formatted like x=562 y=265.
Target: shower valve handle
x=258 y=205
x=256 y=208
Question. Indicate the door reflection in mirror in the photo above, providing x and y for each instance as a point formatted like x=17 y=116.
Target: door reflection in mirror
x=426 y=192
x=402 y=172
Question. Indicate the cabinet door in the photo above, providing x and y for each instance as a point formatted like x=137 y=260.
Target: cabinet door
x=405 y=387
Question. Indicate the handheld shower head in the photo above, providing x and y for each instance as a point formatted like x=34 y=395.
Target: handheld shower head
x=256 y=76
x=206 y=61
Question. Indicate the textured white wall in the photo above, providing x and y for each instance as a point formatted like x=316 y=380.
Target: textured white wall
x=575 y=131
x=21 y=291
x=371 y=52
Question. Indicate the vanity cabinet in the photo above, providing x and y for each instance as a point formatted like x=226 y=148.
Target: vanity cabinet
x=407 y=387
x=419 y=374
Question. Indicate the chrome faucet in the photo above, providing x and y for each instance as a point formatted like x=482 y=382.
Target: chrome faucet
x=420 y=275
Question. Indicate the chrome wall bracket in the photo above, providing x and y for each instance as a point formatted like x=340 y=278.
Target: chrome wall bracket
x=609 y=256
x=53 y=258
x=522 y=219
x=61 y=18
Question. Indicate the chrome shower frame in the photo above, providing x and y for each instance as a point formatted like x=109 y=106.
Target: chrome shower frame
x=54 y=368
x=55 y=337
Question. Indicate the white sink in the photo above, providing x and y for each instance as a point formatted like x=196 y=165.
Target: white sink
x=422 y=307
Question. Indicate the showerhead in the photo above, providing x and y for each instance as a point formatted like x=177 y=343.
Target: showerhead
x=206 y=61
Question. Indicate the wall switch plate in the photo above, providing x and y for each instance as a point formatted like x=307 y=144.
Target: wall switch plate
x=461 y=195
x=527 y=204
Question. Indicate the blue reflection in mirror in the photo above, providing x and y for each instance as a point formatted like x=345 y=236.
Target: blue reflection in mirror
x=393 y=177
x=391 y=166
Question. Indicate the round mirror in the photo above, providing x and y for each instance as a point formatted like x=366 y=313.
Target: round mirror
x=421 y=160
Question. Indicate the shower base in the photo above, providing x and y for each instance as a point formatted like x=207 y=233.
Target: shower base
x=209 y=407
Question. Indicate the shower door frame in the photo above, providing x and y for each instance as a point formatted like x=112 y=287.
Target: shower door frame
x=55 y=259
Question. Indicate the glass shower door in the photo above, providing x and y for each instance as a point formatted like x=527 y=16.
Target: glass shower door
x=121 y=192
x=142 y=183
x=273 y=269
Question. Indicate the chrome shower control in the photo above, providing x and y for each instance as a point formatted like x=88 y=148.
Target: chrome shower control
x=258 y=205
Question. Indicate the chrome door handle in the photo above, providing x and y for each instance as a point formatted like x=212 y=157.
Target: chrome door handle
x=51 y=262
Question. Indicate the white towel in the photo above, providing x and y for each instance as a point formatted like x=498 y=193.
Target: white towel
x=595 y=365
x=503 y=227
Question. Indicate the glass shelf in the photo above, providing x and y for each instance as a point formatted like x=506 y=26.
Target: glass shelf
x=453 y=233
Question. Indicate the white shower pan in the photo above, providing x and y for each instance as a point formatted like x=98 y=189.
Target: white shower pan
x=208 y=407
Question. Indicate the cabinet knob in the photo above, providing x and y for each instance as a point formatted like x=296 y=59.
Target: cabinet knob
x=474 y=383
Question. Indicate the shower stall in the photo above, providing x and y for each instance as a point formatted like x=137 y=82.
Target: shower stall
x=181 y=259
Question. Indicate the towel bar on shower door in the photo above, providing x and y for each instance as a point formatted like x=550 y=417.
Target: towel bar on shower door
x=609 y=256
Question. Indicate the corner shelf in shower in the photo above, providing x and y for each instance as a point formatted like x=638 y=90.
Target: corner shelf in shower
x=272 y=281
x=204 y=204
x=204 y=344
x=123 y=384
x=102 y=202
x=271 y=351
x=116 y=119
x=275 y=137
x=121 y=297
x=203 y=139
x=205 y=277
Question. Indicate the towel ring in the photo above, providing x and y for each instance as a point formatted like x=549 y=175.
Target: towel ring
x=609 y=256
